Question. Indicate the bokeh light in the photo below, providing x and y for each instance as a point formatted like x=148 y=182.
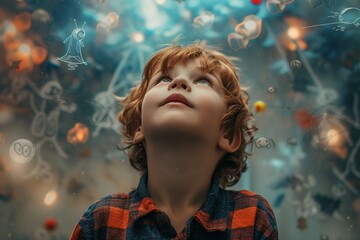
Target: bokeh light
x=138 y=37
x=50 y=197
x=78 y=134
x=293 y=33
x=50 y=224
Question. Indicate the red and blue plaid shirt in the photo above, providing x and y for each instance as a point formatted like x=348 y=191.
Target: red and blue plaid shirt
x=226 y=214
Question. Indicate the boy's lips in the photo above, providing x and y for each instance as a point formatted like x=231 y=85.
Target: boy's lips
x=177 y=97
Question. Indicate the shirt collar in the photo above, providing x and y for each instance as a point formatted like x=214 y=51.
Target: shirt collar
x=212 y=215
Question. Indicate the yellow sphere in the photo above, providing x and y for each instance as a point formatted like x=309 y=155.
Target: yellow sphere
x=259 y=106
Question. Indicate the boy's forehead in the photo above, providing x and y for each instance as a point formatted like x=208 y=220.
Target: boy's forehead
x=167 y=66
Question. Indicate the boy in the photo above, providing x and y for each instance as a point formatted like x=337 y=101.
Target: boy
x=185 y=129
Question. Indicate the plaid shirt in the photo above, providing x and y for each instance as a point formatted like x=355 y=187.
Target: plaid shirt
x=226 y=214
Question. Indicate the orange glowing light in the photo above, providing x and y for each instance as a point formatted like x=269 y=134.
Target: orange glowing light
x=22 y=21
x=305 y=119
x=38 y=54
x=78 y=134
x=335 y=141
x=24 y=60
x=334 y=138
x=293 y=33
x=11 y=41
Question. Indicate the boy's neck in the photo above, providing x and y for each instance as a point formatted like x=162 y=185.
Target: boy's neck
x=179 y=174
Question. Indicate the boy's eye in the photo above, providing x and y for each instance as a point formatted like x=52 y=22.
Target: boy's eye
x=163 y=79
x=204 y=81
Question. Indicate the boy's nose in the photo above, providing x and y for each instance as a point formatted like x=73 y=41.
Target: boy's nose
x=180 y=83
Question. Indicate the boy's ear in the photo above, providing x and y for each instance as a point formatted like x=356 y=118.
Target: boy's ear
x=225 y=144
x=138 y=136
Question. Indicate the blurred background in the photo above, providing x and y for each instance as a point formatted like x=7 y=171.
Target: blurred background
x=62 y=62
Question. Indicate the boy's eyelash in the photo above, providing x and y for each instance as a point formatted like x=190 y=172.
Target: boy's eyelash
x=205 y=78
x=161 y=78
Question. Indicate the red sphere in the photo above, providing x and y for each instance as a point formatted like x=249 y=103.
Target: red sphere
x=50 y=224
x=256 y=2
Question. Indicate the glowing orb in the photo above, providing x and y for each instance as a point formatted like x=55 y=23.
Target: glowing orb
x=138 y=37
x=50 y=224
x=50 y=197
x=293 y=33
x=259 y=106
x=256 y=2
x=78 y=134
x=22 y=151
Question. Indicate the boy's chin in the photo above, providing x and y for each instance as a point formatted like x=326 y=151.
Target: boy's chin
x=185 y=132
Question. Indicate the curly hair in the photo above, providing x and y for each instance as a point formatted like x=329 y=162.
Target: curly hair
x=231 y=166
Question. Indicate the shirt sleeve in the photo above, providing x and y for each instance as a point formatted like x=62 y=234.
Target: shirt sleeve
x=274 y=235
x=265 y=222
x=83 y=230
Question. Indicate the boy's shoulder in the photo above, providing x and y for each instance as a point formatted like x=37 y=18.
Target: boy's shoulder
x=112 y=201
x=245 y=199
x=242 y=195
x=253 y=210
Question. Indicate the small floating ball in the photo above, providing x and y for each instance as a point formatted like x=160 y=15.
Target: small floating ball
x=50 y=224
x=256 y=2
x=259 y=106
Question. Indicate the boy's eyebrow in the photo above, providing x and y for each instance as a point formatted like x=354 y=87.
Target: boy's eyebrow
x=157 y=72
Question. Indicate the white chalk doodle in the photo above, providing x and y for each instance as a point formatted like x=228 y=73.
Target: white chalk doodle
x=347 y=16
x=105 y=116
x=263 y=142
x=73 y=56
x=105 y=102
x=45 y=124
x=22 y=151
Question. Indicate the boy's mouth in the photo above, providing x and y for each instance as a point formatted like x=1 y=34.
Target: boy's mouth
x=176 y=97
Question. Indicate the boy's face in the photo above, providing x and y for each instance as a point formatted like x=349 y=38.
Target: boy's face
x=187 y=101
